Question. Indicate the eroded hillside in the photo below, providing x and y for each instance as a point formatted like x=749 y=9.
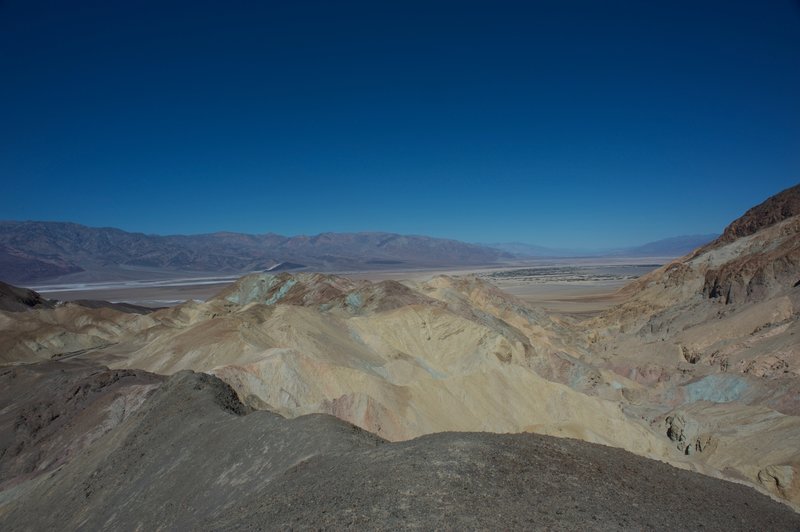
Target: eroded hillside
x=698 y=367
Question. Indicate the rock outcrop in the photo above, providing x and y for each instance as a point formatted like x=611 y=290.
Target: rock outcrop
x=774 y=210
x=14 y=299
x=756 y=276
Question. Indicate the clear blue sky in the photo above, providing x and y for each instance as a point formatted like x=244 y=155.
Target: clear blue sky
x=561 y=123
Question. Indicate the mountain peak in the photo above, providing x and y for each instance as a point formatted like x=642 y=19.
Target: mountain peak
x=775 y=209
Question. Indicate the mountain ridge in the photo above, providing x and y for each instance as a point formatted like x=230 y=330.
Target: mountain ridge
x=675 y=246
x=34 y=251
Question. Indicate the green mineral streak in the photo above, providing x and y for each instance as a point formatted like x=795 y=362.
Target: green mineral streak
x=281 y=292
x=354 y=301
x=253 y=289
x=717 y=389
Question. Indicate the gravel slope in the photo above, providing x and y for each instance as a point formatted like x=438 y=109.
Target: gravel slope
x=189 y=455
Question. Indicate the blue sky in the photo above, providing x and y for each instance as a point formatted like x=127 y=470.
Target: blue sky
x=561 y=123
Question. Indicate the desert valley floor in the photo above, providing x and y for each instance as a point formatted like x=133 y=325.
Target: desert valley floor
x=575 y=286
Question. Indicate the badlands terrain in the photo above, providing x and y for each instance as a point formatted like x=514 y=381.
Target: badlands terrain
x=224 y=412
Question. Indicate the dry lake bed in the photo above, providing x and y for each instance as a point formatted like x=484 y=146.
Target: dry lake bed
x=578 y=287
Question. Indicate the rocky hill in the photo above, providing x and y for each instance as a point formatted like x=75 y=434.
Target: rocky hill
x=14 y=299
x=714 y=338
x=775 y=209
x=87 y=447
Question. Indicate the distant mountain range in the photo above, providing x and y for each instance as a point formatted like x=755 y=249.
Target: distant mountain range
x=668 y=247
x=34 y=251
x=37 y=251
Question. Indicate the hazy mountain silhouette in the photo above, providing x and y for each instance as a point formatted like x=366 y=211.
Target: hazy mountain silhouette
x=33 y=251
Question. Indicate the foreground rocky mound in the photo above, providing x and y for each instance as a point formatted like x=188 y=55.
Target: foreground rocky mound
x=184 y=453
x=51 y=411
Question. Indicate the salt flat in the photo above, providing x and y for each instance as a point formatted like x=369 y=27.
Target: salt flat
x=579 y=287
